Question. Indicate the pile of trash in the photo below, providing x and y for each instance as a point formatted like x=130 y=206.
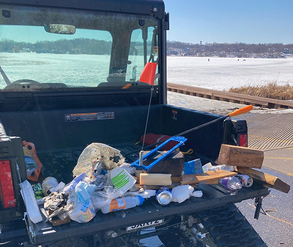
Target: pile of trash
x=103 y=181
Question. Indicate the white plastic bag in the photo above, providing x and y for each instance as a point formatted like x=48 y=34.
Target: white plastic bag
x=83 y=212
x=110 y=158
x=84 y=191
x=128 y=168
x=181 y=193
x=101 y=198
x=197 y=193
x=144 y=194
x=71 y=186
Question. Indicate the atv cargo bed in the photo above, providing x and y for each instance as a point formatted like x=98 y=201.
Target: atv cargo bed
x=213 y=196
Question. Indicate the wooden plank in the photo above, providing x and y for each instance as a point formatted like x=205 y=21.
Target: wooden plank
x=172 y=164
x=157 y=187
x=155 y=179
x=207 y=178
x=57 y=222
x=176 y=179
x=240 y=156
x=267 y=180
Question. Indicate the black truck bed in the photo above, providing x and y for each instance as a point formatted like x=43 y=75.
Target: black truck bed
x=150 y=210
x=213 y=196
x=59 y=144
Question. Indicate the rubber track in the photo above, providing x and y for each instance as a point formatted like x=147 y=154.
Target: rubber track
x=229 y=228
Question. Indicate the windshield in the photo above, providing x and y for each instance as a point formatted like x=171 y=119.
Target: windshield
x=47 y=49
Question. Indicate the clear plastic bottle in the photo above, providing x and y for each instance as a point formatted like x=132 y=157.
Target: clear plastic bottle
x=122 y=203
x=30 y=164
x=224 y=168
x=71 y=186
x=81 y=191
x=232 y=183
x=209 y=167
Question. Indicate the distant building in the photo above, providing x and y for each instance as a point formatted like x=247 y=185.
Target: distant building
x=287 y=51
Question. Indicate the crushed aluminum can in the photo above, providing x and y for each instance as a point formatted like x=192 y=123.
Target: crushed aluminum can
x=164 y=196
x=246 y=180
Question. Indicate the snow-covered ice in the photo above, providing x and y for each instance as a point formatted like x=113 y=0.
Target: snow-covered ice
x=225 y=73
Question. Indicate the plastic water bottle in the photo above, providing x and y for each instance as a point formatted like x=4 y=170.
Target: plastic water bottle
x=71 y=186
x=30 y=164
x=122 y=203
x=210 y=167
x=81 y=191
x=222 y=168
x=232 y=183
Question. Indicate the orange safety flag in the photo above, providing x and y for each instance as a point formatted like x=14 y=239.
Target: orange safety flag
x=148 y=73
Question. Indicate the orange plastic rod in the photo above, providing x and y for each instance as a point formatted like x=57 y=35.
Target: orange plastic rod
x=241 y=111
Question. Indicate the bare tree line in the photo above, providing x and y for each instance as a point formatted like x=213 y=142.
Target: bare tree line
x=270 y=50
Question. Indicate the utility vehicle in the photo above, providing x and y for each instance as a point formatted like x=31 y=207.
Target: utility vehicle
x=70 y=77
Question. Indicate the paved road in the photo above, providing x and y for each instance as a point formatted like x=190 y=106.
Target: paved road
x=271 y=131
x=276 y=226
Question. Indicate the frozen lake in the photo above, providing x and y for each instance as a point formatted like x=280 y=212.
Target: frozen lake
x=224 y=73
x=213 y=73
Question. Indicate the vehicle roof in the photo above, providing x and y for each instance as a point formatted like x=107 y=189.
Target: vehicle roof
x=123 y=6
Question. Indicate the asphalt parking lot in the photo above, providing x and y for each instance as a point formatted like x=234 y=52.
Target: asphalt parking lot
x=273 y=135
x=272 y=132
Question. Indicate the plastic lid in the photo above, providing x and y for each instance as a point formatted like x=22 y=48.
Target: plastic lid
x=141 y=200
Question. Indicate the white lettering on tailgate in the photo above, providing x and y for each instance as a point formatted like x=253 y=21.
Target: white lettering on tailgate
x=147 y=224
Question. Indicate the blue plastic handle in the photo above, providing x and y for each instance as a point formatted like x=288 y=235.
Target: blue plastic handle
x=179 y=139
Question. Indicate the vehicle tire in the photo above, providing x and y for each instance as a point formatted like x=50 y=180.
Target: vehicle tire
x=229 y=228
x=174 y=237
x=223 y=227
x=69 y=242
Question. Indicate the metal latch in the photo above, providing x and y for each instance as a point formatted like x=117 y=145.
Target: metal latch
x=258 y=202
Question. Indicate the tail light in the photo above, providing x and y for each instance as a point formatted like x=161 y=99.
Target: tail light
x=235 y=132
x=6 y=185
x=243 y=140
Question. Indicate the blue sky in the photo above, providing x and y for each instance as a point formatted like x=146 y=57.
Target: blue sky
x=247 y=21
